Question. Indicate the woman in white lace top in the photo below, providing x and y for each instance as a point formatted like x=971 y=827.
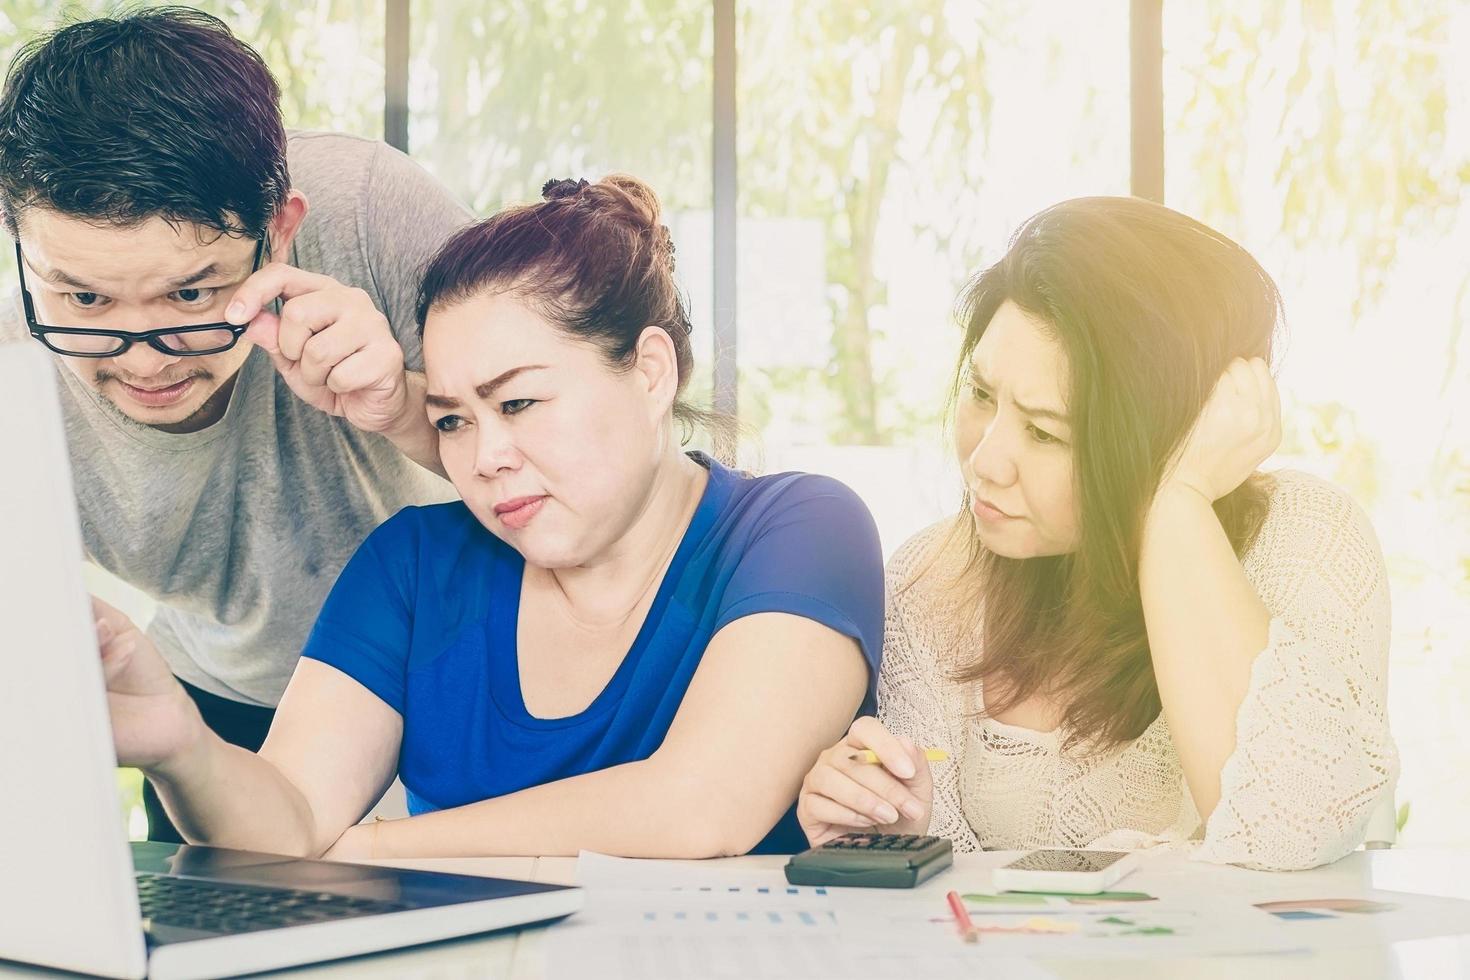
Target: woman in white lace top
x=1128 y=633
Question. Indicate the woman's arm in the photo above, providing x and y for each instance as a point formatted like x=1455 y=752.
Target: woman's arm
x=1205 y=627
x=902 y=794
x=771 y=691
x=329 y=756
x=1313 y=753
x=1273 y=691
x=1205 y=622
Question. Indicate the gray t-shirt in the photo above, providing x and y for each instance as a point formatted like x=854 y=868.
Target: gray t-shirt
x=239 y=530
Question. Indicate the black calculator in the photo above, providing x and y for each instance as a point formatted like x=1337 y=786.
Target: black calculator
x=872 y=861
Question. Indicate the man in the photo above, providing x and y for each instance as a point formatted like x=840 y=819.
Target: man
x=229 y=470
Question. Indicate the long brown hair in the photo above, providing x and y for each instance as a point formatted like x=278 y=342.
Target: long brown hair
x=1149 y=307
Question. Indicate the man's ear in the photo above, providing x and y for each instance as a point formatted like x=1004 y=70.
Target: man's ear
x=286 y=223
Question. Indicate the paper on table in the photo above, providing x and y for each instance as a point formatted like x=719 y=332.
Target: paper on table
x=602 y=871
x=1062 y=931
x=578 y=951
x=673 y=920
x=1365 y=916
x=1414 y=916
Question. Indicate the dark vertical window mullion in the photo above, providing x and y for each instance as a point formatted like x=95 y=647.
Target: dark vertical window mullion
x=1146 y=97
x=395 y=73
x=725 y=190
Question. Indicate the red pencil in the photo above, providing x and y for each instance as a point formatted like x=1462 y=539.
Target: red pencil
x=962 y=918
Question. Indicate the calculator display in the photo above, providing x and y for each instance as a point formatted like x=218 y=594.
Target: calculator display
x=1084 y=861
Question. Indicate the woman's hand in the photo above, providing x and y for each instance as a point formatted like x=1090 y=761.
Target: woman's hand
x=841 y=795
x=1237 y=430
x=153 y=719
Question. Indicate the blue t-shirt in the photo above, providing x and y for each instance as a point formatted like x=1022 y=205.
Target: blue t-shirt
x=424 y=616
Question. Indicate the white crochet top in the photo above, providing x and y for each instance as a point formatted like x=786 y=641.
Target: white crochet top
x=1313 y=752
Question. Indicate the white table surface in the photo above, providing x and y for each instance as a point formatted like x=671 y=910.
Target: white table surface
x=521 y=955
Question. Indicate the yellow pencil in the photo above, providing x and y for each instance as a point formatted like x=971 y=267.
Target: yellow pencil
x=871 y=757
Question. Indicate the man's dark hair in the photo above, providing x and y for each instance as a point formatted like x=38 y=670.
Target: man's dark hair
x=159 y=112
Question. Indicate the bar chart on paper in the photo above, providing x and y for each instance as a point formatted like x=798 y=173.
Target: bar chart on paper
x=656 y=920
x=741 y=919
x=715 y=932
x=743 y=907
x=733 y=910
x=736 y=935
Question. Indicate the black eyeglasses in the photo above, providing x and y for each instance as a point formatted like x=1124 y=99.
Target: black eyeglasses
x=187 y=341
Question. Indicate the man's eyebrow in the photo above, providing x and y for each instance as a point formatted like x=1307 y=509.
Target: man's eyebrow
x=60 y=277
x=184 y=282
x=211 y=270
x=484 y=389
x=1043 y=413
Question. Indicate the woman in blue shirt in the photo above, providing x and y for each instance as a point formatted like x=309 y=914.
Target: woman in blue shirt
x=608 y=644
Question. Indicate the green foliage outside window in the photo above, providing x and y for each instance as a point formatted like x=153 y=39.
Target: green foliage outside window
x=904 y=140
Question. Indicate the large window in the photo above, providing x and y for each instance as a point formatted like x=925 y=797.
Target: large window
x=1333 y=141
x=885 y=152
x=503 y=96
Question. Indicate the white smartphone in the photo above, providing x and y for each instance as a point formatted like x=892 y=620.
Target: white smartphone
x=1068 y=872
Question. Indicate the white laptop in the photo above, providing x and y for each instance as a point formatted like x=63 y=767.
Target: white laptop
x=73 y=896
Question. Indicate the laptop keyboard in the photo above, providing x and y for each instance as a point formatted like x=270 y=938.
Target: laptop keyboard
x=217 y=906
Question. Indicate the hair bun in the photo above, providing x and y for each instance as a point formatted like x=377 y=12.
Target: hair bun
x=555 y=189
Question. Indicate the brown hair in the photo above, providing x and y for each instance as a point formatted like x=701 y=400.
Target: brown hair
x=1150 y=307
x=593 y=258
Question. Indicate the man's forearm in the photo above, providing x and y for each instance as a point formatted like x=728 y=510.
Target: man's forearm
x=414 y=436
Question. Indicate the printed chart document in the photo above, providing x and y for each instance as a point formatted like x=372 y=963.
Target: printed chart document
x=1321 y=917
x=1336 y=906
x=674 y=919
x=668 y=920
x=1053 y=927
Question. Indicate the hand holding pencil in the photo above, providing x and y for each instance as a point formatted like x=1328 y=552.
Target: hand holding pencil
x=870 y=780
